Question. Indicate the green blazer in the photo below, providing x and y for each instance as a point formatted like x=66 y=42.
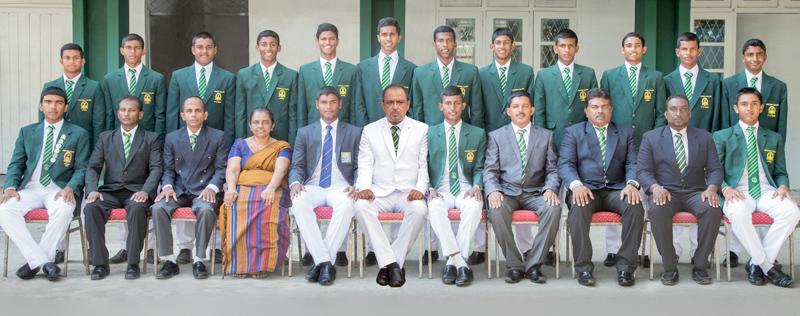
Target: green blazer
x=471 y=150
x=520 y=78
x=345 y=79
x=71 y=159
x=706 y=98
x=773 y=92
x=557 y=108
x=368 y=103
x=280 y=98
x=86 y=109
x=645 y=110
x=219 y=99
x=732 y=150
x=150 y=89
x=426 y=88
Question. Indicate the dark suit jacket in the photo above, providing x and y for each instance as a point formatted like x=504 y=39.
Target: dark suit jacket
x=87 y=108
x=502 y=172
x=190 y=171
x=150 y=89
x=368 y=104
x=657 y=164
x=706 y=98
x=579 y=157
x=140 y=172
x=307 y=151
x=219 y=99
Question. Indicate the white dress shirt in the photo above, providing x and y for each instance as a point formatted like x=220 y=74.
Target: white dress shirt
x=759 y=75
x=395 y=58
x=34 y=180
x=333 y=61
x=685 y=142
x=337 y=179
x=743 y=185
x=444 y=182
x=449 y=68
x=638 y=71
x=694 y=70
x=507 y=65
x=265 y=69
x=74 y=81
x=571 y=67
x=208 y=68
x=138 y=69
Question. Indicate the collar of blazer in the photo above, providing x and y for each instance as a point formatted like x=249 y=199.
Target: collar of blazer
x=644 y=75
x=273 y=80
x=77 y=89
x=212 y=82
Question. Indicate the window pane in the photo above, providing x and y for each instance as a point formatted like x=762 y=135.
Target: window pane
x=465 y=38
x=712 y=57
x=514 y=24
x=710 y=31
x=551 y=27
x=548 y=57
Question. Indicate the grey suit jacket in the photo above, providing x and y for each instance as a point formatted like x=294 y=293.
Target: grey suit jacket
x=502 y=172
x=140 y=172
x=307 y=151
x=191 y=171
x=657 y=165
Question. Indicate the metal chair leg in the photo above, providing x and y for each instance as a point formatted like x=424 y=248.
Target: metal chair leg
x=155 y=249
x=155 y=255
x=430 y=258
x=84 y=248
x=651 y=256
x=496 y=256
x=728 y=250
x=791 y=255
x=363 y=252
x=348 y=252
x=571 y=260
x=420 y=244
x=5 y=258
x=557 y=253
x=212 y=248
x=486 y=250
x=66 y=250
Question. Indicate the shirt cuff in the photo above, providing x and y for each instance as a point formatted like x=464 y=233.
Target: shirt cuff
x=634 y=183
x=213 y=188
x=165 y=187
x=574 y=184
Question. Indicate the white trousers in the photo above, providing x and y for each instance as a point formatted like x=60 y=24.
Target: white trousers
x=303 y=205
x=736 y=246
x=184 y=236
x=12 y=220
x=415 y=213
x=470 y=208
x=785 y=215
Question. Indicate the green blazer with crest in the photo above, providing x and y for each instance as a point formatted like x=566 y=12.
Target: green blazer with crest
x=150 y=89
x=706 y=98
x=732 y=150
x=426 y=88
x=368 y=102
x=345 y=80
x=645 y=110
x=219 y=99
x=518 y=78
x=471 y=152
x=86 y=109
x=773 y=93
x=557 y=108
x=280 y=98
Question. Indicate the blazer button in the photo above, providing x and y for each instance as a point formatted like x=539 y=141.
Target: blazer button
x=634 y=114
x=201 y=181
x=633 y=126
x=179 y=171
x=125 y=173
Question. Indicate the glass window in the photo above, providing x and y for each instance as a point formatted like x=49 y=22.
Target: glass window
x=549 y=29
x=465 y=38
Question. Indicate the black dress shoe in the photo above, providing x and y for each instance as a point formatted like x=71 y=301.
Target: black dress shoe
x=777 y=277
x=464 y=277
x=218 y=256
x=120 y=257
x=26 y=273
x=383 y=277
x=132 y=273
x=754 y=274
x=586 y=278
x=733 y=258
x=51 y=271
x=535 y=275
x=150 y=257
x=700 y=276
x=341 y=259
x=625 y=278
x=370 y=259
x=59 y=256
x=449 y=274
x=434 y=256
x=550 y=259
x=199 y=270
x=313 y=274
x=184 y=256
x=708 y=266
x=307 y=259
x=669 y=277
x=397 y=275
x=514 y=275
x=327 y=273
x=611 y=260
x=100 y=272
x=168 y=270
x=646 y=262
x=476 y=258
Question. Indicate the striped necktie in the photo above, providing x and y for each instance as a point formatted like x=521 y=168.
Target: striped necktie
x=69 y=85
x=266 y=79
x=523 y=150
x=445 y=76
x=201 y=85
x=753 y=82
x=503 y=79
x=633 y=83
x=688 y=87
x=452 y=163
x=44 y=177
x=126 y=144
x=680 y=152
x=193 y=141
x=567 y=80
x=601 y=137
x=395 y=137
x=753 y=185
x=328 y=77
x=386 y=73
x=132 y=81
x=327 y=154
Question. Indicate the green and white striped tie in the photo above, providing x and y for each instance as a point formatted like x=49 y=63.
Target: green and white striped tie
x=753 y=185
x=44 y=177
x=201 y=85
x=680 y=152
x=193 y=141
x=633 y=83
x=753 y=82
x=452 y=162
x=601 y=137
x=567 y=80
x=266 y=79
x=126 y=144
x=386 y=73
x=688 y=88
x=523 y=150
x=503 y=79
x=69 y=85
x=132 y=81
x=395 y=137
x=328 y=74
x=445 y=76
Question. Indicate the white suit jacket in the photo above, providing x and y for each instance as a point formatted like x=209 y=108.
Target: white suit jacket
x=383 y=171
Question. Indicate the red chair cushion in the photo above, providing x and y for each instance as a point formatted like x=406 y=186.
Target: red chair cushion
x=387 y=216
x=454 y=214
x=37 y=215
x=759 y=218
x=684 y=218
x=606 y=217
x=524 y=216
x=118 y=214
x=324 y=212
x=184 y=213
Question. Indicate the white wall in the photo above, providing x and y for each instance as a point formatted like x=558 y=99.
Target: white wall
x=601 y=25
x=418 y=32
x=31 y=34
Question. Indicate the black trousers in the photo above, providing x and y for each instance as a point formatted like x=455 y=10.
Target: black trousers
x=96 y=216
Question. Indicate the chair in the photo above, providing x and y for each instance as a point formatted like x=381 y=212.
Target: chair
x=40 y=216
x=685 y=219
x=185 y=214
x=522 y=217
x=383 y=218
x=760 y=219
x=324 y=215
x=454 y=215
x=602 y=218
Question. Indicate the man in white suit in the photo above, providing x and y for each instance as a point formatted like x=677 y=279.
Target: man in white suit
x=392 y=174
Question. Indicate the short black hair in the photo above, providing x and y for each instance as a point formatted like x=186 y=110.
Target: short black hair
x=53 y=90
x=132 y=99
x=328 y=90
x=748 y=90
x=680 y=96
x=193 y=97
x=131 y=37
x=566 y=34
x=633 y=34
x=395 y=86
x=451 y=91
x=596 y=93
x=388 y=21
x=327 y=27
x=517 y=94
x=687 y=37
x=261 y=110
x=443 y=29
x=71 y=46
x=754 y=42
x=268 y=33
x=502 y=31
x=203 y=35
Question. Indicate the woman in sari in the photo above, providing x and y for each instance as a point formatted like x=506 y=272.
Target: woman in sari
x=253 y=219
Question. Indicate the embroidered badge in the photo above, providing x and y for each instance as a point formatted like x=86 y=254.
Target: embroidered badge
x=148 y=97
x=343 y=90
x=346 y=157
x=218 y=96
x=470 y=155
x=704 y=102
x=770 y=155
x=463 y=90
x=772 y=110
x=582 y=94
x=68 y=154
x=648 y=95
x=282 y=93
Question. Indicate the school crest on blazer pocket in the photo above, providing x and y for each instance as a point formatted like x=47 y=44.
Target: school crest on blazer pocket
x=705 y=101
x=648 y=95
x=470 y=155
x=147 y=98
x=582 y=94
x=346 y=157
x=463 y=90
x=68 y=157
x=769 y=155
x=218 y=96
x=343 y=90
x=772 y=110
x=282 y=93
x=84 y=103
